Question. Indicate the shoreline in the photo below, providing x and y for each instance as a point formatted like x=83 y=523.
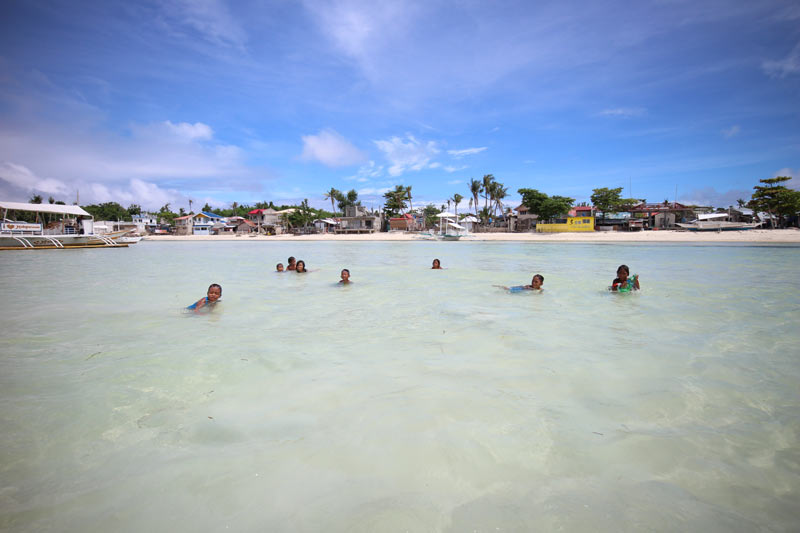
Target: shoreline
x=775 y=236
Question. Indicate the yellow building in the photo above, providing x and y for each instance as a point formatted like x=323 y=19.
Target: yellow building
x=572 y=224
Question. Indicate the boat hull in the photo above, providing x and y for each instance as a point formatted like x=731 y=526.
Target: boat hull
x=40 y=242
x=719 y=226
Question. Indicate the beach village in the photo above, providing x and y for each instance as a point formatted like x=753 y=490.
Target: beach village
x=56 y=225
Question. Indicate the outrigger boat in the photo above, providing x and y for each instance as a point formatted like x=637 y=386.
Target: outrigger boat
x=56 y=227
x=712 y=222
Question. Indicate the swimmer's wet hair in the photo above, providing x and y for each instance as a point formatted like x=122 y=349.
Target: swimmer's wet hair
x=279 y=265
x=625 y=268
x=217 y=286
x=541 y=278
x=343 y=270
x=291 y=258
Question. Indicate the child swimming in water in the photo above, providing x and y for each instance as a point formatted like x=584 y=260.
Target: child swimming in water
x=292 y=264
x=212 y=297
x=300 y=267
x=622 y=283
x=279 y=267
x=536 y=285
x=345 y=276
x=437 y=265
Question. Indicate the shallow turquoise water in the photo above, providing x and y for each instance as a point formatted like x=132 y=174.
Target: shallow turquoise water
x=411 y=400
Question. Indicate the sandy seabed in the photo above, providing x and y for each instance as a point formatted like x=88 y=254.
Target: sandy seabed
x=706 y=237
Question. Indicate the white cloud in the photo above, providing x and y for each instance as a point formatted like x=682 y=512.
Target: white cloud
x=784 y=67
x=330 y=149
x=21 y=177
x=733 y=131
x=454 y=182
x=191 y=132
x=711 y=196
x=623 y=112
x=373 y=191
x=452 y=169
x=407 y=155
x=210 y=18
x=458 y=154
x=167 y=131
x=366 y=172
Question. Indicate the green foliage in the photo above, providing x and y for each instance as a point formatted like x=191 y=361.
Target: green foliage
x=35 y=199
x=775 y=198
x=347 y=200
x=108 y=211
x=207 y=208
x=395 y=202
x=134 y=209
x=429 y=212
x=546 y=207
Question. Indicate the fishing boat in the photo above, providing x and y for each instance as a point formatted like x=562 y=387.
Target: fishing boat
x=449 y=229
x=715 y=222
x=55 y=227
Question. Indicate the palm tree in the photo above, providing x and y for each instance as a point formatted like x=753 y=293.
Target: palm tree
x=500 y=192
x=488 y=179
x=457 y=200
x=448 y=204
x=475 y=188
x=332 y=195
x=408 y=195
x=190 y=206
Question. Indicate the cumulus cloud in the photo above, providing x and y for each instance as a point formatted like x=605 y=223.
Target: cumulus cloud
x=733 y=131
x=409 y=154
x=784 y=67
x=373 y=191
x=458 y=154
x=23 y=178
x=454 y=182
x=330 y=149
x=623 y=112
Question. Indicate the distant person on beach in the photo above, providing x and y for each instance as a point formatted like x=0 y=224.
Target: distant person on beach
x=623 y=283
x=536 y=285
x=279 y=267
x=292 y=264
x=437 y=265
x=345 y=276
x=300 y=267
x=212 y=297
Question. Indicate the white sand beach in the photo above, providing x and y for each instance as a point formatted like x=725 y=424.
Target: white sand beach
x=751 y=236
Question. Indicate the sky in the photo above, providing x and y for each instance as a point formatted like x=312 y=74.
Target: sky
x=166 y=101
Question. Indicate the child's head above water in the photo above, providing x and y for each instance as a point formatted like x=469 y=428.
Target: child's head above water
x=345 y=276
x=436 y=264
x=300 y=266
x=214 y=292
x=279 y=267
x=537 y=281
x=623 y=272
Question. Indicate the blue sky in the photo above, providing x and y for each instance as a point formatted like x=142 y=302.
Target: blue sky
x=215 y=101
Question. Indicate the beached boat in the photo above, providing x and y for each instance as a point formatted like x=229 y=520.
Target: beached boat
x=449 y=229
x=56 y=227
x=716 y=222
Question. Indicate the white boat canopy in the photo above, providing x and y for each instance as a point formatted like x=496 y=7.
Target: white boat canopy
x=457 y=226
x=445 y=215
x=45 y=208
x=708 y=216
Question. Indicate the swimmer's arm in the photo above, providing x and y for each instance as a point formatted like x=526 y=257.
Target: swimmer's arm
x=200 y=303
x=500 y=287
x=636 y=283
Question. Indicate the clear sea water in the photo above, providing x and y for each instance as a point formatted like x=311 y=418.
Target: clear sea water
x=412 y=400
